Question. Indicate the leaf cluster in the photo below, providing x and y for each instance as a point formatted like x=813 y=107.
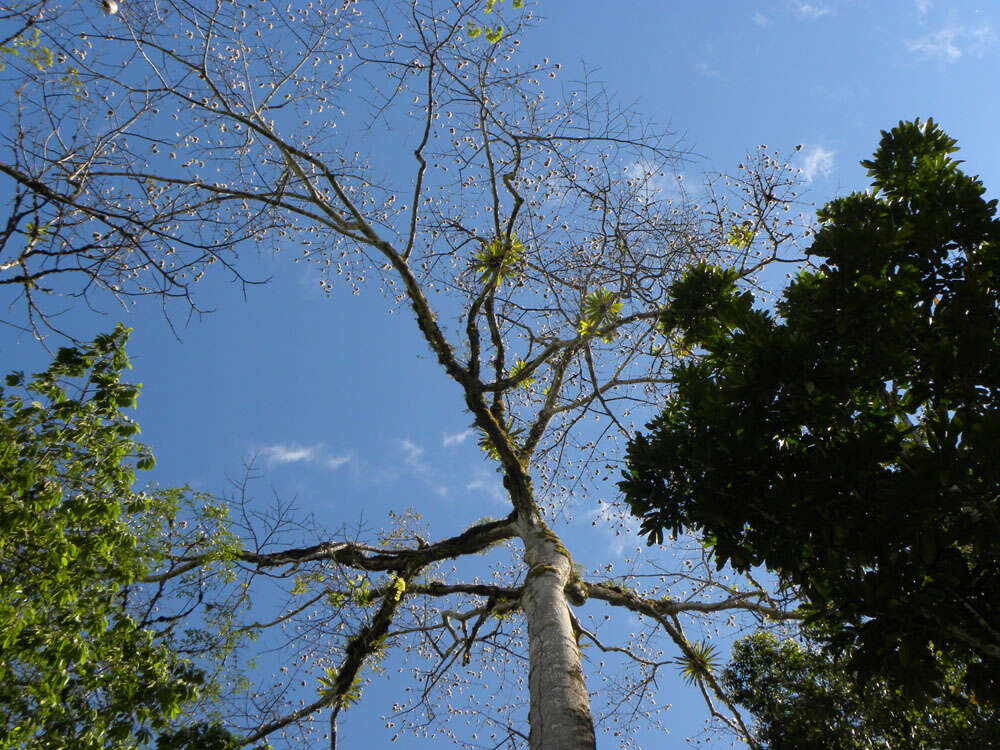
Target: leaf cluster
x=699 y=664
x=37 y=54
x=497 y=260
x=600 y=308
x=493 y=34
x=485 y=443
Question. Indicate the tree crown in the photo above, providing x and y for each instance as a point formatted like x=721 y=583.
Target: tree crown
x=847 y=443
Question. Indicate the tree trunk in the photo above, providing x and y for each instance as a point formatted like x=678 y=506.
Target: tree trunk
x=559 y=716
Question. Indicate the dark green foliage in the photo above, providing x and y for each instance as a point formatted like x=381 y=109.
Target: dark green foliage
x=202 y=736
x=852 y=445
x=76 y=670
x=801 y=698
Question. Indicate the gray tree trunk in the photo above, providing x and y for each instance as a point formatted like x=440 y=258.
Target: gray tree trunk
x=559 y=716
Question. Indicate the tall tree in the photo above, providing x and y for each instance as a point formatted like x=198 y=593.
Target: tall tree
x=849 y=444
x=531 y=232
x=82 y=665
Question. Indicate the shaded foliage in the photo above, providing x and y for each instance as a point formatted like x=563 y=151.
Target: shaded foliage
x=801 y=698
x=201 y=736
x=849 y=444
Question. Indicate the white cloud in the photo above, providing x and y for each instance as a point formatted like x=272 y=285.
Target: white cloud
x=616 y=523
x=761 y=20
x=335 y=462
x=812 y=10
x=413 y=458
x=982 y=36
x=940 y=44
x=411 y=455
x=923 y=6
x=277 y=455
x=287 y=454
x=491 y=487
x=815 y=161
x=457 y=439
x=948 y=44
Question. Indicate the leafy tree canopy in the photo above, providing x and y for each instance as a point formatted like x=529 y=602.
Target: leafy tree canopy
x=76 y=668
x=849 y=443
x=801 y=697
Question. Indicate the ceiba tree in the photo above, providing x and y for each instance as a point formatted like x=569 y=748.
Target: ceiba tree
x=532 y=234
x=848 y=442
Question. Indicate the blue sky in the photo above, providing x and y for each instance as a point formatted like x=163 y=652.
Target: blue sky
x=343 y=406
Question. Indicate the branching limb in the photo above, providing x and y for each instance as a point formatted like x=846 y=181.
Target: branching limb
x=668 y=607
x=365 y=643
x=473 y=540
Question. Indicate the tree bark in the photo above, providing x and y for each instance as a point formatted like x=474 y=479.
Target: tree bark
x=559 y=716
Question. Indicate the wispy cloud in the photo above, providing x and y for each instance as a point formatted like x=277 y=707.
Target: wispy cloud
x=923 y=6
x=812 y=10
x=335 y=462
x=413 y=459
x=490 y=487
x=616 y=523
x=287 y=454
x=815 y=161
x=457 y=439
x=761 y=20
x=950 y=43
x=293 y=453
x=705 y=69
x=412 y=455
